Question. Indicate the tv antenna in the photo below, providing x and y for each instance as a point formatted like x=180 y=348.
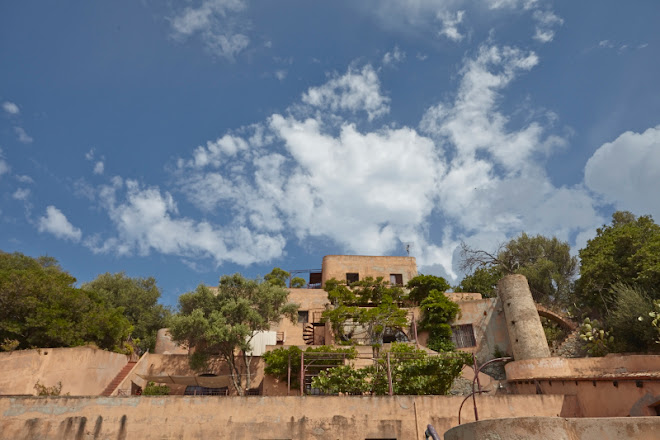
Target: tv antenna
x=408 y=246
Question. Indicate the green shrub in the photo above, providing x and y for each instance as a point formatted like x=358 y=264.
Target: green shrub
x=597 y=342
x=156 y=390
x=632 y=335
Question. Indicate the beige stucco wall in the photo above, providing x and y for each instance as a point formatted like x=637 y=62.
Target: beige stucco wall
x=541 y=428
x=312 y=300
x=488 y=322
x=83 y=371
x=336 y=266
x=165 y=344
x=401 y=417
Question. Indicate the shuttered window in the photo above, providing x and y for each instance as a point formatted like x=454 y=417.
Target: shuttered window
x=463 y=336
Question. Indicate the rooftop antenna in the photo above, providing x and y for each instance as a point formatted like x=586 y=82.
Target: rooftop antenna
x=408 y=246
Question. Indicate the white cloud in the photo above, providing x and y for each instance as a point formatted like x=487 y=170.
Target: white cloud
x=10 y=108
x=57 y=224
x=546 y=21
x=147 y=220
x=90 y=154
x=4 y=166
x=280 y=74
x=512 y=4
x=23 y=137
x=471 y=123
x=24 y=179
x=626 y=171
x=450 y=22
x=369 y=192
x=99 y=167
x=216 y=23
x=620 y=47
x=357 y=90
x=395 y=57
x=21 y=194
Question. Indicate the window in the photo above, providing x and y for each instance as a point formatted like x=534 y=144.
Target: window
x=192 y=390
x=315 y=280
x=463 y=336
x=303 y=316
x=352 y=278
x=396 y=279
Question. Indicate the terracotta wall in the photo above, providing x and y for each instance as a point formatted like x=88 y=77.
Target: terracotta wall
x=400 y=417
x=611 y=365
x=336 y=266
x=541 y=428
x=600 y=397
x=83 y=371
x=614 y=385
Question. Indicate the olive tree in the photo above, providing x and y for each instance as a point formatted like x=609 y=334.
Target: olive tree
x=225 y=323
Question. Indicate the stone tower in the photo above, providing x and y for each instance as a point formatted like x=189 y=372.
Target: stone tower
x=522 y=320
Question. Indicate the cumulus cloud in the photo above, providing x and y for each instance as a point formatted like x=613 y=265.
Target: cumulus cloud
x=625 y=171
x=24 y=179
x=396 y=56
x=465 y=174
x=216 y=23
x=281 y=74
x=148 y=220
x=22 y=136
x=99 y=167
x=57 y=224
x=21 y=194
x=546 y=21
x=4 y=166
x=10 y=108
x=450 y=22
x=357 y=90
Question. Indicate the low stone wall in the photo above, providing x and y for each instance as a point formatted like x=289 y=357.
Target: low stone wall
x=542 y=428
x=331 y=417
x=83 y=371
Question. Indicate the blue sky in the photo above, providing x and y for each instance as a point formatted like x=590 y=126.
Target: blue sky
x=185 y=140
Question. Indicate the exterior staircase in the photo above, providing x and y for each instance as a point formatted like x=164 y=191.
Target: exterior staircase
x=118 y=379
x=308 y=334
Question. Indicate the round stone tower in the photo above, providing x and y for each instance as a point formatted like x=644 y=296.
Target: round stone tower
x=522 y=320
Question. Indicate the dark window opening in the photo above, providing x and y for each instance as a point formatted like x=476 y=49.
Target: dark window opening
x=315 y=280
x=192 y=390
x=352 y=278
x=396 y=279
x=463 y=336
x=303 y=316
x=394 y=335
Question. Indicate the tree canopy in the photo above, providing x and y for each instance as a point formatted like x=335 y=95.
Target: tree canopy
x=546 y=262
x=626 y=251
x=349 y=308
x=225 y=323
x=139 y=299
x=483 y=280
x=422 y=285
x=41 y=307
